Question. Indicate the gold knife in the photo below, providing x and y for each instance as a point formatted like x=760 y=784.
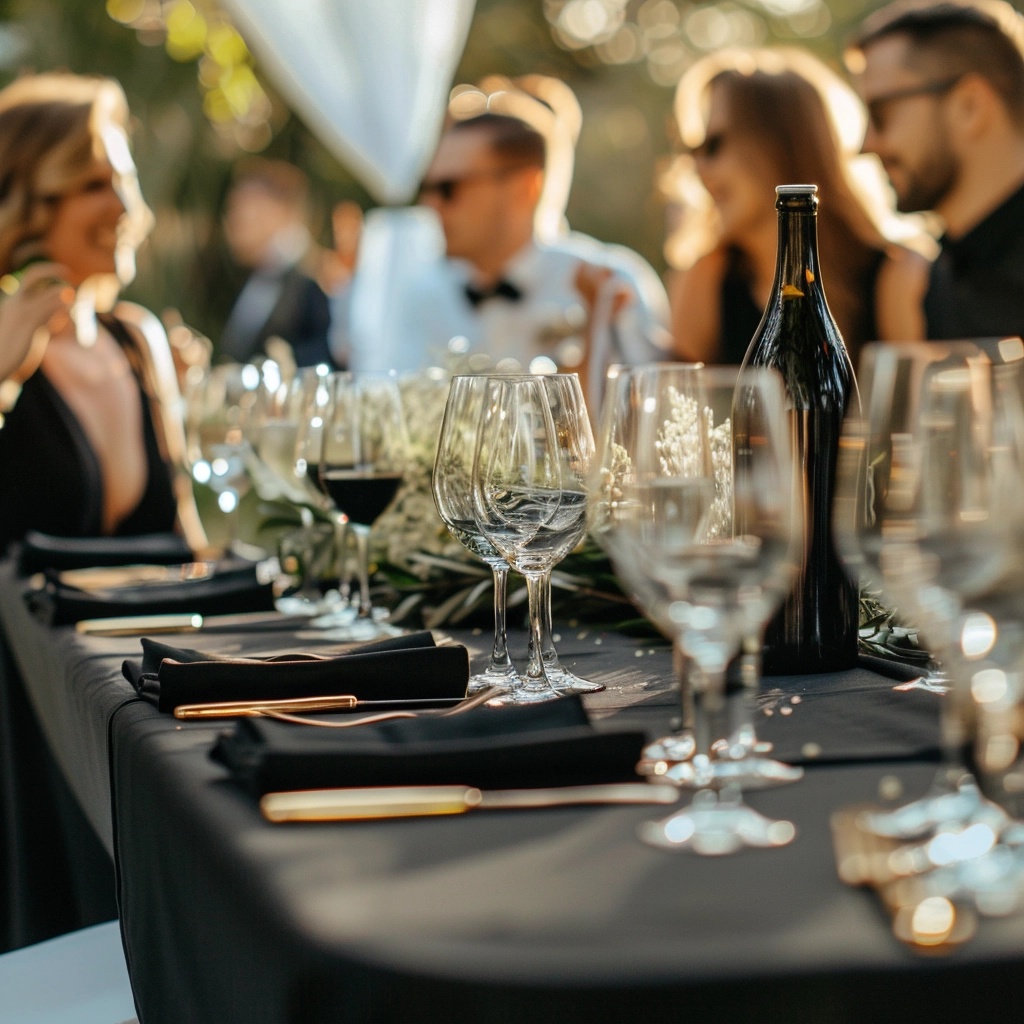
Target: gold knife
x=188 y=622
x=115 y=577
x=420 y=801
x=255 y=708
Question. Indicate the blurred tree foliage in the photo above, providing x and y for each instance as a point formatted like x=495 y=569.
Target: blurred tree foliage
x=626 y=97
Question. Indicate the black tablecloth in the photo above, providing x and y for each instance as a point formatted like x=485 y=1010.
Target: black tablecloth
x=510 y=916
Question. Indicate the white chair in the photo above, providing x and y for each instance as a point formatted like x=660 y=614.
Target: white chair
x=79 y=978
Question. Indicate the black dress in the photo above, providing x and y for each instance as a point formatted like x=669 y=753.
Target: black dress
x=50 y=478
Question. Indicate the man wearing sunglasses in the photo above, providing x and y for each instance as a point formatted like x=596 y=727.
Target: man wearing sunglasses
x=505 y=294
x=944 y=89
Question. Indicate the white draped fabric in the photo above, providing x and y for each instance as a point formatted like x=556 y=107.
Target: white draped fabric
x=370 y=77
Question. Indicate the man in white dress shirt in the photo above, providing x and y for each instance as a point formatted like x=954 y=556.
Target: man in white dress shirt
x=574 y=303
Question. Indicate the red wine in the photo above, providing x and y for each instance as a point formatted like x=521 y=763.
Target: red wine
x=816 y=628
x=361 y=494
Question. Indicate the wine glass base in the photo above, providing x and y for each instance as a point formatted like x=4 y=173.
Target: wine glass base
x=301 y=604
x=669 y=750
x=568 y=682
x=507 y=679
x=715 y=825
x=361 y=630
x=949 y=802
x=521 y=695
x=747 y=773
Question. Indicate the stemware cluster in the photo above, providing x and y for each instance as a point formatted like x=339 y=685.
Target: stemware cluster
x=932 y=514
x=509 y=481
x=335 y=442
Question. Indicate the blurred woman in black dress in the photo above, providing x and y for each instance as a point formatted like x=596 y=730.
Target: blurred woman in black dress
x=93 y=442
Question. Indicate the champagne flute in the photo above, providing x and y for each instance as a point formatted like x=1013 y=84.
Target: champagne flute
x=707 y=544
x=532 y=456
x=452 y=486
x=362 y=461
x=931 y=485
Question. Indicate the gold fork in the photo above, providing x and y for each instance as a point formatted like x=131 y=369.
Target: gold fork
x=384 y=716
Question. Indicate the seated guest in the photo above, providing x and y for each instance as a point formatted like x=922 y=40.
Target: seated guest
x=752 y=120
x=265 y=227
x=90 y=442
x=944 y=88
x=508 y=294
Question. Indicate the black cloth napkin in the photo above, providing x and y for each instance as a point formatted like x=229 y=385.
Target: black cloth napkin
x=228 y=591
x=409 y=667
x=548 y=744
x=39 y=551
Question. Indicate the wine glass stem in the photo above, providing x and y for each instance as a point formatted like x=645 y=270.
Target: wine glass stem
x=536 y=676
x=710 y=708
x=683 y=665
x=362 y=535
x=743 y=732
x=500 y=660
x=340 y=523
x=547 y=643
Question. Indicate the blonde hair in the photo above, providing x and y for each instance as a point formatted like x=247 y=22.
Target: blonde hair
x=51 y=132
x=795 y=108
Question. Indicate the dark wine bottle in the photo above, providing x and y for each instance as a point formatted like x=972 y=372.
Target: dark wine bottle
x=816 y=629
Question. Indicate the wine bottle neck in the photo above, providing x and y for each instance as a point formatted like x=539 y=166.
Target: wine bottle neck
x=796 y=267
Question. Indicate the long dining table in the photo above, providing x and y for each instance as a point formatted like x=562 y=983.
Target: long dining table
x=559 y=914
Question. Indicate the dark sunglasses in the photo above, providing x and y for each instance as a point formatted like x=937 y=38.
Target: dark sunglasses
x=877 y=106
x=448 y=189
x=710 y=148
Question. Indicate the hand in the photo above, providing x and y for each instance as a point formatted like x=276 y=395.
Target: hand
x=37 y=307
x=590 y=281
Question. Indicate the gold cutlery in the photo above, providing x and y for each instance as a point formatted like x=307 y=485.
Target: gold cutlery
x=258 y=708
x=187 y=622
x=423 y=801
x=117 y=576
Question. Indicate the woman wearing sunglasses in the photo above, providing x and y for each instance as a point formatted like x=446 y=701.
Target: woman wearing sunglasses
x=750 y=120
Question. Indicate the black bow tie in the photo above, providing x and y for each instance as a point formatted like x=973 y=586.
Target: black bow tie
x=500 y=289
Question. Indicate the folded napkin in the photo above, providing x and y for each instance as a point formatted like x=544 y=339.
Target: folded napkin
x=39 y=551
x=407 y=667
x=233 y=589
x=547 y=744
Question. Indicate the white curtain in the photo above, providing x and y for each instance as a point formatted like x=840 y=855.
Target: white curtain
x=370 y=77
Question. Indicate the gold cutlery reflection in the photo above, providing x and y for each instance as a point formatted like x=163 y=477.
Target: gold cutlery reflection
x=425 y=801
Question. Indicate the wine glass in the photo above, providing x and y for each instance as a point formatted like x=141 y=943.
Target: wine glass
x=533 y=453
x=361 y=465
x=279 y=415
x=931 y=492
x=452 y=486
x=219 y=407
x=314 y=401
x=707 y=543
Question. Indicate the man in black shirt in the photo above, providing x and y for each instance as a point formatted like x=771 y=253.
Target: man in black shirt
x=944 y=89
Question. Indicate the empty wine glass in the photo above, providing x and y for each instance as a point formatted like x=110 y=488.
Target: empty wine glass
x=219 y=407
x=931 y=488
x=452 y=485
x=533 y=453
x=361 y=465
x=706 y=543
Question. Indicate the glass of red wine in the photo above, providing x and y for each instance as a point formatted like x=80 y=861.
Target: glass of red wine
x=362 y=460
